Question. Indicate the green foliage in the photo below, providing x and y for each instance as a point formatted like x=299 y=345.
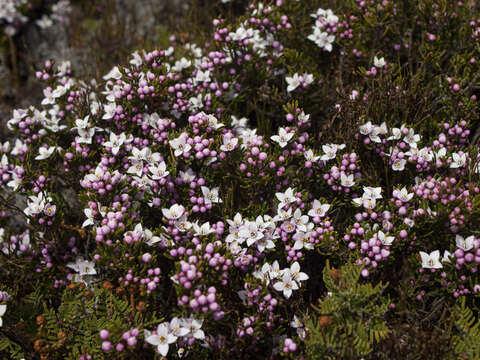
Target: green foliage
x=72 y=330
x=467 y=342
x=350 y=320
x=11 y=347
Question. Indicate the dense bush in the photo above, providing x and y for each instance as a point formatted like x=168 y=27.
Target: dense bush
x=303 y=185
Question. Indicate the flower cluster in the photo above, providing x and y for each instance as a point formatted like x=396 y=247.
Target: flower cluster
x=186 y=203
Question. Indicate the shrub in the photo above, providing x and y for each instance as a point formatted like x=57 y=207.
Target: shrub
x=187 y=204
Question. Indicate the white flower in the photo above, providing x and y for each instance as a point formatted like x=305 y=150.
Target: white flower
x=432 y=260
x=425 y=154
x=213 y=122
x=308 y=78
x=162 y=339
x=263 y=273
x=110 y=110
x=396 y=133
x=202 y=76
x=465 y=244
x=346 y=181
x=275 y=271
x=174 y=212
x=88 y=214
x=379 y=63
x=35 y=205
x=18 y=114
x=3 y=161
x=303 y=118
x=187 y=176
x=411 y=138
x=196 y=102
x=282 y=138
x=440 y=154
x=302 y=241
x=403 y=194
x=239 y=123
x=297 y=324
x=44 y=22
x=183 y=224
x=159 y=172
x=202 y=230
x=374 y=134
x=44 y=153
x=251 y=232
x=228 y=143
x=210 y=196
x=366 y=129
x=113 y=74
x=310 y=156
x=446 y=256
x=293 y=82
x=365 y=201
x=265 y=243
x=149 y=238
x=176 y=327
x=399 y=164
x=458 y=160
x=322 y=39
x=115 y=142
x=137 y=59
x=296 y=274
x=330 y=151
x=285 y=198
x=145 y=154
x=49 y=98
x=286 y=285
x=83 y=268
x=235 y=223
x=181 y=64
x=352 y=96
x=82 y=123
x=136 y=167
x=194 y=328
x=318 y=209
x=386 y=240
x=15 y=182
x=59 y=91
x=283 y=215
x=372 y=192
x=179 y=145
x=19 y=148
x=300 y=220
x=3 y=308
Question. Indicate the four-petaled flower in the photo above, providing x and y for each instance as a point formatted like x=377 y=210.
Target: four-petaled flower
x=210 y=196
x=465 y=244
x=283 y=137
x=229 y=143
x=162 y=339
x=180 y=145
x=432 y=260
x=44 y=152
x=293 y=82
x=286 y=285
x=174 y=212
x=318 y=209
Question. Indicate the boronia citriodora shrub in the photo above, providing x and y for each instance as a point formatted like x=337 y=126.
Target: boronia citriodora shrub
x=302 y=185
